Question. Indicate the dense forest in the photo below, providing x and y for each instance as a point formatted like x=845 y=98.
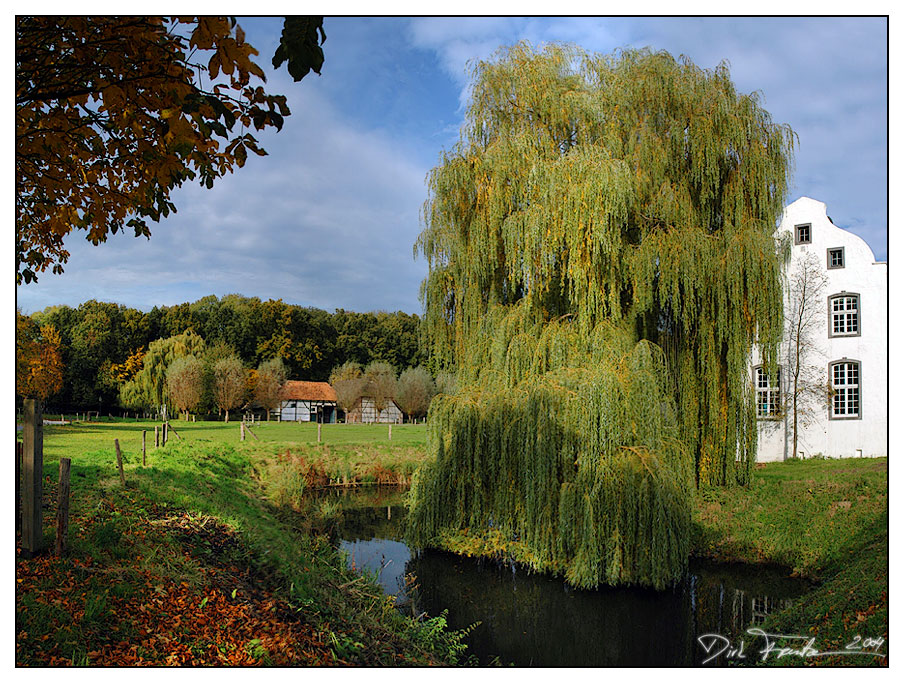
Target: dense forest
x=97 y=339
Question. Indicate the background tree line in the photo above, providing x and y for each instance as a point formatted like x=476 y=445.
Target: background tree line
x=102 y=345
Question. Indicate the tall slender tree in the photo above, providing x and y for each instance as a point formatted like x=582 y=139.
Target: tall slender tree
x=629 y=199
x=805 y=315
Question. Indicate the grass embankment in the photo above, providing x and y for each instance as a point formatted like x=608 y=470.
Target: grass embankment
x=826 y=520
x=193 y=563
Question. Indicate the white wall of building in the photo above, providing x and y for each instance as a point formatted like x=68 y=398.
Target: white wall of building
x=366 y=412
x=866 y=435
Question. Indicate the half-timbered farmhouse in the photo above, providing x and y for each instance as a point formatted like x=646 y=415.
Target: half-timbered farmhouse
x=308 y=402
x=365 y=411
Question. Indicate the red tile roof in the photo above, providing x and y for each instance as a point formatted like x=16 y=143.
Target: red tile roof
x=308 y=391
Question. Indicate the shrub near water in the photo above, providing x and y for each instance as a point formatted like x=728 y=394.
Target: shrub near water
x=566 y=456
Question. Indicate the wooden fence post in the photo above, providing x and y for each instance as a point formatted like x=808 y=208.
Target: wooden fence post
x=144 y=447
x=318 y=432
x=156 y=437
x=122 y=476
x=18 y=487
x=62 y=519
x=242 y=438
x=165 y=434
x=33 y=469
x=390 y=431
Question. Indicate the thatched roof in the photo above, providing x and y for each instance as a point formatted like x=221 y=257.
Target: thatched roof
x=296 y=390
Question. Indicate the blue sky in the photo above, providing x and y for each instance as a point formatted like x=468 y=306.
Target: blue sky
x=329 y=218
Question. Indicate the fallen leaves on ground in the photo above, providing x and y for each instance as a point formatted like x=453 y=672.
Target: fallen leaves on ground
x=69 y=611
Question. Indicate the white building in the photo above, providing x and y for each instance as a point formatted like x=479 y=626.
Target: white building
x=365 y=411
x=850 y=350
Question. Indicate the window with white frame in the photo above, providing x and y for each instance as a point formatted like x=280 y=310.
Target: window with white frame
x=768 y=393
x=844 y=377
x=802 y=234
x=844 y=315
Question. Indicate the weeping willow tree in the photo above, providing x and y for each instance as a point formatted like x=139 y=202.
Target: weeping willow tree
x=612 y=218
x=148 y=389
x=564 y=441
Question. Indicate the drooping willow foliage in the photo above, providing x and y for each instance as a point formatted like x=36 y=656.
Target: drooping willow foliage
x=601 y=260
x=564 y=440
x=636 y=189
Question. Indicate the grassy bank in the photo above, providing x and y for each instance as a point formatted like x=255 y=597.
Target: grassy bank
x=823 y=519
x=194 y=563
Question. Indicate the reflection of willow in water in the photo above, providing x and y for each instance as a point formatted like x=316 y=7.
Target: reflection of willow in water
x=537 y=620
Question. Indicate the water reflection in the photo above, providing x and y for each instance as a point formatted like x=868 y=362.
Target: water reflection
x=529 y=619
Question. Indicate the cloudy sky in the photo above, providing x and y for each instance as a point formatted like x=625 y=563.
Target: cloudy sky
x=329 y=218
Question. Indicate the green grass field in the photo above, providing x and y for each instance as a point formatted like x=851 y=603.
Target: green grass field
x=70 y=441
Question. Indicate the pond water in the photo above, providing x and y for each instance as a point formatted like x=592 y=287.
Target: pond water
x=530 y=619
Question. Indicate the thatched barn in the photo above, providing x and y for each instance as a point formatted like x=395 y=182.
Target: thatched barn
x=308 y=402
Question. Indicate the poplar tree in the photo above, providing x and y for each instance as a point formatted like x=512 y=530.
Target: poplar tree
x=612 y=217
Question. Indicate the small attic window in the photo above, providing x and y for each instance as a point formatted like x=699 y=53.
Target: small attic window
x=835 y=257
x=802 y=234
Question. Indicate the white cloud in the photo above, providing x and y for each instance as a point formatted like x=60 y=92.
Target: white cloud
x=327 y=219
